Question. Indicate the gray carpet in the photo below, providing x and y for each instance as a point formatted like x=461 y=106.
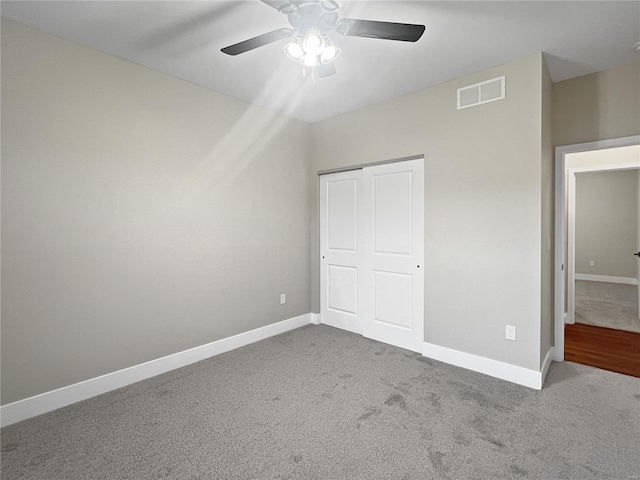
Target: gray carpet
x=611 y=305
x=320 y=403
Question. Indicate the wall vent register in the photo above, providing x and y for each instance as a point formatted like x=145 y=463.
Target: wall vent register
x=483 y=92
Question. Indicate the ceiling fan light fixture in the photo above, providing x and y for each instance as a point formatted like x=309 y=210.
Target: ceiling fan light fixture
x=293 y=48
x=312 y=22
x=311 y=49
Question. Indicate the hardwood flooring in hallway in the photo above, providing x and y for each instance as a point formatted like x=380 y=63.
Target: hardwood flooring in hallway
x=606 y=348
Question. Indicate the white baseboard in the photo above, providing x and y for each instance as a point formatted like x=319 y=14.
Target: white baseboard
x=315 y=318
x=494 y=368
x=48 y=401
x=606 y=278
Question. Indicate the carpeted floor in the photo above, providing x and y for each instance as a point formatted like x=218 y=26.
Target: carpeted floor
x=320 y=403
x=610 y=305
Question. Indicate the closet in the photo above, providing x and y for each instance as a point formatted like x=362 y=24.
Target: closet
x=372 y=252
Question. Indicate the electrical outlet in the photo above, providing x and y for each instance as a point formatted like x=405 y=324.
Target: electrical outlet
x=592 y=263
x=510 y=332
x=283 y=299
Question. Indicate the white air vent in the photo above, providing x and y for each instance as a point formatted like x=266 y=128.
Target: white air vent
x=483 y=92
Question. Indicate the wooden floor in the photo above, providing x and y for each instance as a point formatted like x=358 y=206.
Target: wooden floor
x=606 y=348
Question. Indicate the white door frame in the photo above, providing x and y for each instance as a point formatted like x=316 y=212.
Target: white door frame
x=565 y=228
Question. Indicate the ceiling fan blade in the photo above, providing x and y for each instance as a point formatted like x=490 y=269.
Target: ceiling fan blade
x=283 y=6
x=325 y=70
x=259 y=41
x=405 y=32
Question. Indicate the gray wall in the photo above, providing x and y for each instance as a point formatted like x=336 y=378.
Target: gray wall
x=138 y=219
x=607 y=223
x=483 y=200
x=599 y=106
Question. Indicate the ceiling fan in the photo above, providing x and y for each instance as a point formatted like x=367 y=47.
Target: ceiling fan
x=312 y=20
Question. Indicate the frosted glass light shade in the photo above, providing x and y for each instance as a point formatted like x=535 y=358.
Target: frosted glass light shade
x=294 y=50
x=329 y=54
x=313 y=43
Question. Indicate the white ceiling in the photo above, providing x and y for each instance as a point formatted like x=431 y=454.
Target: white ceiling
x=183 y=39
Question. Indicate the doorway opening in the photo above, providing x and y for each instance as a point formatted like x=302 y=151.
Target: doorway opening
x=605 y=238
x=597 y=234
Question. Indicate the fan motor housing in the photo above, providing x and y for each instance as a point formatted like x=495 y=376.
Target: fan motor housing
x=311 y=15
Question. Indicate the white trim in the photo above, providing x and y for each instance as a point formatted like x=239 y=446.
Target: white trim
x=559 y=314
x=315 y=318
x=494 y=368
x=48 y=401
x=561 y=227
x=606 y=167
x=606 y=278
x=571 y=246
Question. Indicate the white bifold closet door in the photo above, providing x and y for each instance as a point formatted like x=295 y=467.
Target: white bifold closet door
x=372 y=248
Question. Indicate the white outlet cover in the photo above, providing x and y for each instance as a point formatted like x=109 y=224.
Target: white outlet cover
x=510 y=332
